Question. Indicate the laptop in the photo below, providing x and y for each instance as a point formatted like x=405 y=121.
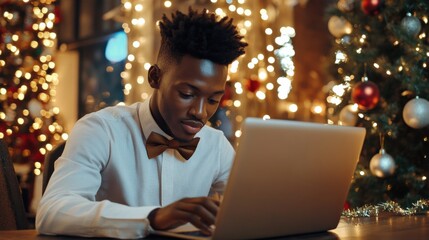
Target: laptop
x=288 y=178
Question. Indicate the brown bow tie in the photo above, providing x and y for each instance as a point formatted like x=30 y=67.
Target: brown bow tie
x=157 y=144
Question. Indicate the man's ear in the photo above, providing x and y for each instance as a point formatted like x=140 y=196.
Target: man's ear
x=154 y=76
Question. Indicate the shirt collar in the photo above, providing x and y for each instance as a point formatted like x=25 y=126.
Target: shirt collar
x=147 y=122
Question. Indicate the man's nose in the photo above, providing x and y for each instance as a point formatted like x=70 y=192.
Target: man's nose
x=199 y=109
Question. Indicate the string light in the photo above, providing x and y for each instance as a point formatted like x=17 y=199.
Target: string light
x=167 y=4
x=318 y=109
x=261 y=95
x=340 y=57
x=238 y=133
x=293 y=108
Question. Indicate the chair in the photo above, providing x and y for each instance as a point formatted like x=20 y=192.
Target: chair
x=12 y=210
x=50 y=159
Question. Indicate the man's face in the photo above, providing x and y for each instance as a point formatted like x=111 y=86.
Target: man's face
x=187 y=96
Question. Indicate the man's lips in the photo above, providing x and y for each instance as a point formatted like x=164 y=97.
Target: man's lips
x=192 y=126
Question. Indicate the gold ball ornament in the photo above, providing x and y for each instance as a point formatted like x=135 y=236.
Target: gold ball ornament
x=339 y=26
x=382 y=164
x=416 y=113
x=348 y=115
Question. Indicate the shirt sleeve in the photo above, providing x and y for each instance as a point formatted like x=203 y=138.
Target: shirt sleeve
x=226 y=157
x=69 y=206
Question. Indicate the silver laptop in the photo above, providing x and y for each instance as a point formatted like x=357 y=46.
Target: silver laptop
x=288 y=178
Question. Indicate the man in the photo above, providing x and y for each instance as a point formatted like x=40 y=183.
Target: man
x=120 y=176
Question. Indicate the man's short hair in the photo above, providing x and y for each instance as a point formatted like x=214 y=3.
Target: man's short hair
x=200 y=35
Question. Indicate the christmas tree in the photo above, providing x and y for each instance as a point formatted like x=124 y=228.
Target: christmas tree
x=379 y=64
x=28 y=119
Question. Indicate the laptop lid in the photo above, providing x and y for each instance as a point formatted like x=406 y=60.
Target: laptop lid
x=288 y=178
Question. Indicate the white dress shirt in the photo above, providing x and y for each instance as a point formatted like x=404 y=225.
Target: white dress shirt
x=104 y=184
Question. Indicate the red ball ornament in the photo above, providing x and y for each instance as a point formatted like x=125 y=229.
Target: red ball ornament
x=346 y=206
x=252 y=85
x=371 y=7
x=366 y=95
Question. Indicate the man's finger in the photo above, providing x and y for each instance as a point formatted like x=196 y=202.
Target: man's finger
x=208 y=203
x=195 y=220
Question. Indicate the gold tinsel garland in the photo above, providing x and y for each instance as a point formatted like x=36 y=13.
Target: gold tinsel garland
x=393 y=207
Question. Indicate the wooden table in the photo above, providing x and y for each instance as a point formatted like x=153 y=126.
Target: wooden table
x=379 y=228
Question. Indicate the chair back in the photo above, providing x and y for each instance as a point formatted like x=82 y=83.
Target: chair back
x=50 y=159
x=12 y=210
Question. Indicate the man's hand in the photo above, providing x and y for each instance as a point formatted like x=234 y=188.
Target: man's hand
x=201 y=212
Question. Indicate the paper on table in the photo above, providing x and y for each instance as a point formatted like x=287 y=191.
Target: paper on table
x=188 y=227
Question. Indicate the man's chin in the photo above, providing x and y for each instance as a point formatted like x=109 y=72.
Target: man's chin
x=185 y=139
x=184 y=136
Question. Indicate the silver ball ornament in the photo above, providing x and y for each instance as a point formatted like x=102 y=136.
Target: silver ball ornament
x=416 y=113
x=411 y=25
x=348 y=115
x=346 y=40
x=382 y=164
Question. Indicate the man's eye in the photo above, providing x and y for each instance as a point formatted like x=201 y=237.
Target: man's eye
x=213 y=101
x=186 y=95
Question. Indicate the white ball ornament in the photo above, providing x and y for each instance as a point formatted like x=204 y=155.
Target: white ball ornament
x=416 y=113
x=346 y=40
x=348 y=115
x=339 y=26
x=382 y=164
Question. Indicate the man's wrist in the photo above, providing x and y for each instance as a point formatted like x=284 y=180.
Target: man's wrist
x=151 y=217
